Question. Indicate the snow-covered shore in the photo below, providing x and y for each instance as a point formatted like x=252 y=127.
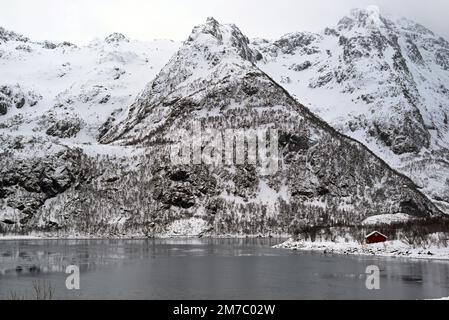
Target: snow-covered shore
x=49 y=236
x=18 y=237
x=387 y=249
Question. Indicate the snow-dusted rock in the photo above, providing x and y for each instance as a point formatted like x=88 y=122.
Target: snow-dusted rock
x=6 y=35
x=378 y=79
x=65 y=128
x=115 y=38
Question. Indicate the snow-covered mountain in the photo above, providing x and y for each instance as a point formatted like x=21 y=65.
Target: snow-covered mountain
x=54 y=98
x=66 y=91
x=325 y=179
x=86 y=132
x=381 y=80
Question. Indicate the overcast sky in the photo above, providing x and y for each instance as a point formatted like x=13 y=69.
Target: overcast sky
x=81 y=21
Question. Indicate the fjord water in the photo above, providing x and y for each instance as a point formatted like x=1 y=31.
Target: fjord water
x=208 y=269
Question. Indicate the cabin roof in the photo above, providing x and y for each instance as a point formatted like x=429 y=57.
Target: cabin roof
x=374 y=232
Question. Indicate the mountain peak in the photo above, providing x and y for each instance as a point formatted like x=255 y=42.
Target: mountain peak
x=211 y=28
x=213 y=35
x=371 y=10
x=116 y=38
x=369 y=18
x=212 y=21
x=212 y=52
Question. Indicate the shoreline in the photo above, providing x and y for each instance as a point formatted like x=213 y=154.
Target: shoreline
x=136 y=237
x=389 y=249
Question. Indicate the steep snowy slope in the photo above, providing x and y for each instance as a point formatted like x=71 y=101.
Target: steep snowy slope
x=380 y=80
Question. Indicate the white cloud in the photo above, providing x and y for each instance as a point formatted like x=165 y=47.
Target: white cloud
x=82 y=20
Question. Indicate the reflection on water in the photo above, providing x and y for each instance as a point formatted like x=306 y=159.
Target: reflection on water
x=210 y=269
x=55 y=255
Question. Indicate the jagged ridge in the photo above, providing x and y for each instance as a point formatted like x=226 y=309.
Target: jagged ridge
x=378 y=79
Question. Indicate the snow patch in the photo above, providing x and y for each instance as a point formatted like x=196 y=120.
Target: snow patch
x=387 y=249
x=387 y=219
x=187 y=228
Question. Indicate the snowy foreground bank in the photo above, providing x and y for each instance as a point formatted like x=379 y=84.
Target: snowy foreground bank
x=387 y=249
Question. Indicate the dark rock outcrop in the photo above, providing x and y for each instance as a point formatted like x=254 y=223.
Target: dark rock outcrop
x=28 y=184
x=65 y=128
x=116 y=38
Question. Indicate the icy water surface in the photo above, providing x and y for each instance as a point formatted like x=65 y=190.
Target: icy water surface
x=208 y=269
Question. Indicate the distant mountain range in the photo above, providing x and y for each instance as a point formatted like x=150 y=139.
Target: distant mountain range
x=360 y=112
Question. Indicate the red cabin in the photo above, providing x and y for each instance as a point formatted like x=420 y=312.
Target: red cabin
x=376 y=237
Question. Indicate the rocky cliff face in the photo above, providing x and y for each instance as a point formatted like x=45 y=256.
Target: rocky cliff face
x=26 y=185
x=378 y=79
